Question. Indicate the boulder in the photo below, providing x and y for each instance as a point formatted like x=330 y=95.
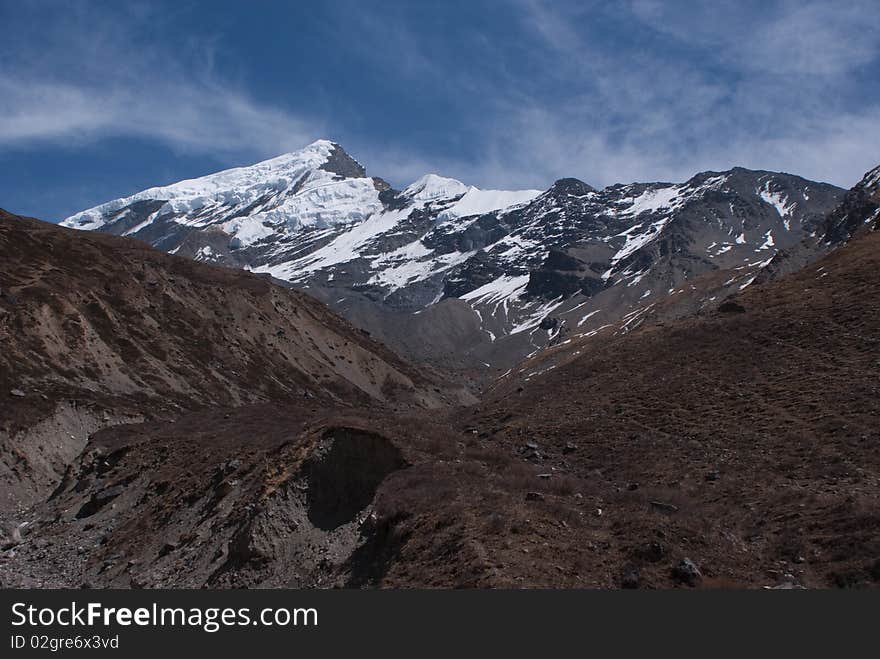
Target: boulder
x=687 y=572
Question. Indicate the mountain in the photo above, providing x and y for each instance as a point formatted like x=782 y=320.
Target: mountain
x=735 y=446
x=501 y=272
x=99 y=329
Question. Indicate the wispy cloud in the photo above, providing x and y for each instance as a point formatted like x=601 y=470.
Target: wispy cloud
x=187 y=115
x=804 y=37
x=762 y=86
x=96 y=80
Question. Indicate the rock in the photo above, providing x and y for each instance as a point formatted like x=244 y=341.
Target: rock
x=713 y=476
x=534 y=496
x=569 y=448
x=632 y=487
x=18 y=393
x=729 y=306
x=226 y=486
x=788 y=585
x=166 y=549
x=631 y=578
x=544 y=475
x=664 y=507
x=651 y=551
x=687 y=572
x=11 y=538
x=98 y=500
x=532 y=446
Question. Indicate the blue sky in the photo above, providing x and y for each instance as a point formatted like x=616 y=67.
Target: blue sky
x=101 y=99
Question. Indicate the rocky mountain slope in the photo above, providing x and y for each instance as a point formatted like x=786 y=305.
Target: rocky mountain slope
x=98 y=329
x=502 y=272
x=744 y=439
x=860 y=210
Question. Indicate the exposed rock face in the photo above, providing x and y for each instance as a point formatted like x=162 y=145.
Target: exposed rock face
x=343 y=165
x=860 y=209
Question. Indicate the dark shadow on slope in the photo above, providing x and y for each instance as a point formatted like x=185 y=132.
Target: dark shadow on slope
x=343 y=478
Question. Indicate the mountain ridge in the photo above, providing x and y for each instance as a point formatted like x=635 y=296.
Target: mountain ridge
x=525 y=262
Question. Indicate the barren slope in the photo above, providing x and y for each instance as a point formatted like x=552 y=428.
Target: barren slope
x=761 y=427
x=97 y=329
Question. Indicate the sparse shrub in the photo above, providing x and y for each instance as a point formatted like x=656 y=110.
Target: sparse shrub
x=563 y=485
x=495 y=524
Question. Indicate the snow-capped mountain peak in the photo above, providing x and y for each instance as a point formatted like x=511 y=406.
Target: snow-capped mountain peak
x=317 y=186
x=431 y=187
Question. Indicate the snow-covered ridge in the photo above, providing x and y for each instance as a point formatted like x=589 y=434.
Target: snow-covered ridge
x=654 y=199
x=231 y=186
x=414 y=261
x=274 y=197
x=478 y=202
x=432 y=186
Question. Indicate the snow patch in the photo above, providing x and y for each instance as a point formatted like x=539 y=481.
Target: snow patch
x=652 y=199
x=431 y=187
x=479 y=202
x=635 y=240
x=587 y=317
x=779 y=201
x=504 y=288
